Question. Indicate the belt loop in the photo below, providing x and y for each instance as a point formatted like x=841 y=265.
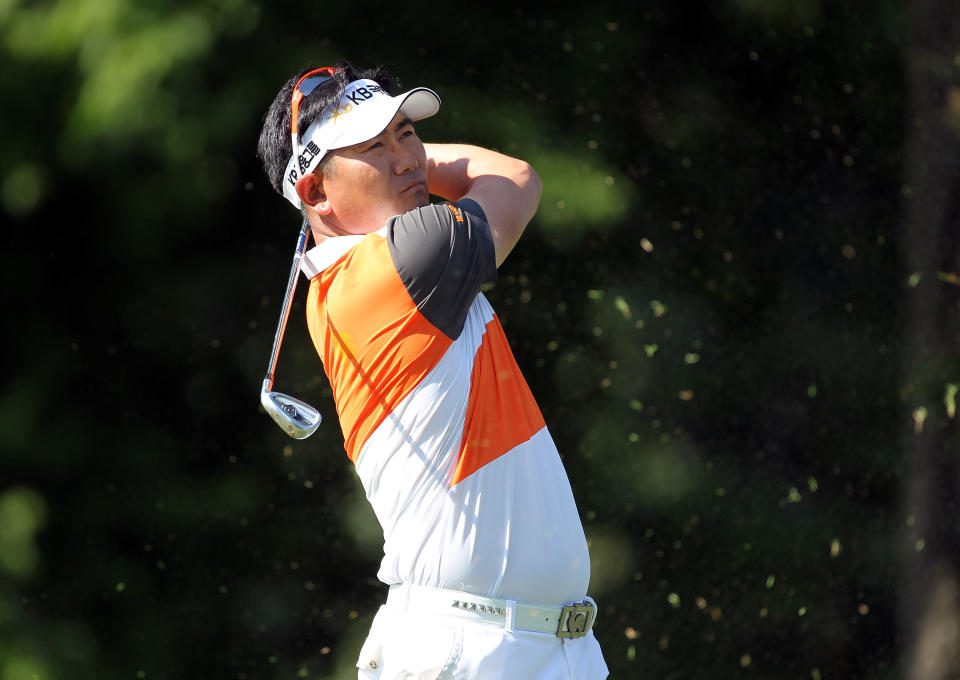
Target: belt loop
x=511 y=611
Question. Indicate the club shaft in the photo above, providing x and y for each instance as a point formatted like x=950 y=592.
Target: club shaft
x=287 y=303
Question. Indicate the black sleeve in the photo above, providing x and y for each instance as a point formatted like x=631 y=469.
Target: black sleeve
x=444 y=254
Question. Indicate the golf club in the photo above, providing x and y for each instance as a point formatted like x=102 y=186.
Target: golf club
x=296 y=418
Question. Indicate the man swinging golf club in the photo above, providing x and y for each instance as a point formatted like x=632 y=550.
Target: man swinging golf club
x=484 y=552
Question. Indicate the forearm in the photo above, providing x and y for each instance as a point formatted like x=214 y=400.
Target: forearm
x=507 y=189
x=454 y=169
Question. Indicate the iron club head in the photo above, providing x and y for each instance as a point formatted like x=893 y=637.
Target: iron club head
x=298 y=419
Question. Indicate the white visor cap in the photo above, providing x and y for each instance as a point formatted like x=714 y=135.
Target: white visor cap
x=363 y=112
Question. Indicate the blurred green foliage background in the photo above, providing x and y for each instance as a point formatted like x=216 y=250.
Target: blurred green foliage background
x=737 y=307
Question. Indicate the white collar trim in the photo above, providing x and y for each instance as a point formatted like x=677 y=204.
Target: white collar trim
x=332 y=249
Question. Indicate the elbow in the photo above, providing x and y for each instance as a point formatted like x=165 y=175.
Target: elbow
x=531 y=188
x=533 y=183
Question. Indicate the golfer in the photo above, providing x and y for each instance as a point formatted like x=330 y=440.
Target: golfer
x=484 y=551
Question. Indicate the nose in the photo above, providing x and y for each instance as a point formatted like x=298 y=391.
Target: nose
x=405 y=164
x=404 y=160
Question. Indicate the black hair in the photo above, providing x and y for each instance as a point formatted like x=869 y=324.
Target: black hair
x=274 y=148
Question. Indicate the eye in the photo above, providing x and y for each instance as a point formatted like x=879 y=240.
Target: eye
x=373 y=146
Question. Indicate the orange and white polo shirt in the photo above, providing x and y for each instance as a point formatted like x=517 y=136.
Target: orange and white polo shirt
x=447 y=439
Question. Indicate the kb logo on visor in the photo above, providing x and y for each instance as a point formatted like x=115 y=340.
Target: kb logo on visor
x=361 y=94
x=351 y=99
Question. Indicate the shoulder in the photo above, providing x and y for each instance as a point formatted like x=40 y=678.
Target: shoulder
x=440 y=217
x=423 y=239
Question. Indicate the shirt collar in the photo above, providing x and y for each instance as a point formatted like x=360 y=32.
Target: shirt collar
x=329 y=251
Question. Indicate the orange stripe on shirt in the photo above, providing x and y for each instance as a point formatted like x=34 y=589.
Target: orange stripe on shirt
x=374 y=343
x=501 y=412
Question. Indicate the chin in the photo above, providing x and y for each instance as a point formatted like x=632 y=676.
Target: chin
x=419 y=198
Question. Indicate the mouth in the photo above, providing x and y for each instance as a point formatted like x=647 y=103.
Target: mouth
x=414 y=186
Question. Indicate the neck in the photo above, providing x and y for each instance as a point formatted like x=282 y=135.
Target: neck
x=321 y=229
x=329 y=226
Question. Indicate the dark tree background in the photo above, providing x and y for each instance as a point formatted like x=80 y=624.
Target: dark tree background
x=737 y=307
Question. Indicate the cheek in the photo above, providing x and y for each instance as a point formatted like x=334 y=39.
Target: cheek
x=368 y=177
x=352 y=181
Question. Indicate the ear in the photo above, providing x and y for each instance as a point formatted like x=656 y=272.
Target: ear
x=310 y=191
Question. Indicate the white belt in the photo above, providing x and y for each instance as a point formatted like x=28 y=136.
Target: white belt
x=571 y=621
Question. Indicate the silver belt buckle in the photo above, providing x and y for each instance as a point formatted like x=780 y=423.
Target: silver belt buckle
x=576 y=620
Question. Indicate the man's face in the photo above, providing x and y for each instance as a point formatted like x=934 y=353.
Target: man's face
x=368 y=183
